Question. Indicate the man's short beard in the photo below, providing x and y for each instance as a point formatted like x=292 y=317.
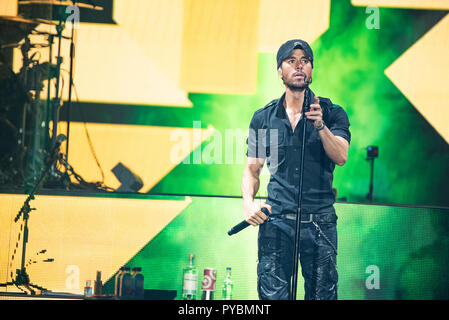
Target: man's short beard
x=294 y=87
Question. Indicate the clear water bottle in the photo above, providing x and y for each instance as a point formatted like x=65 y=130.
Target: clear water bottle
x=190 y=280
x=88 y=289
x=228 y=286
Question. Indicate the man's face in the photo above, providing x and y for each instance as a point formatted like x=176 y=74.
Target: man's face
x=295 y=69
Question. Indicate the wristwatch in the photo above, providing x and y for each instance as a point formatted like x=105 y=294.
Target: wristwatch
x=322 y=127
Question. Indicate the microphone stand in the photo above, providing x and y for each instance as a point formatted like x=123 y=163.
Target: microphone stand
x=69 y=101
x=72 y=58
x=369 y=196
x=56 y=102
x=22 y=278
x=301 y=178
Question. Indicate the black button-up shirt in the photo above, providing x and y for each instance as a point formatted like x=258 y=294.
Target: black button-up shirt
x=271 y=137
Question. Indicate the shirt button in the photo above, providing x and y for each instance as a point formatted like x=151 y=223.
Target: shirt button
x=296 y=169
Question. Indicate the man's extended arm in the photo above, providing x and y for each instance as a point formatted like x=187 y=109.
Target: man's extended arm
x=250 y=186
x=336 y=147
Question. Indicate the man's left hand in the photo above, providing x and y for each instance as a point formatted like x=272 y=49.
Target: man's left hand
x=315 y=113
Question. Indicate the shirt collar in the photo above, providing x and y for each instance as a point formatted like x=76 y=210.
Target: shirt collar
x=280 y=111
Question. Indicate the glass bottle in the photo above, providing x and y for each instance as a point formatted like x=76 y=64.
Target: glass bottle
x=228 y=286
x=190 y=280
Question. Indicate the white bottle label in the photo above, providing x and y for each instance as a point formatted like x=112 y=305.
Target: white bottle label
x=190 y=283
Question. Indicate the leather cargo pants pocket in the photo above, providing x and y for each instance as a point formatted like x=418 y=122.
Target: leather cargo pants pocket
x=319 y=261
x=275 y=263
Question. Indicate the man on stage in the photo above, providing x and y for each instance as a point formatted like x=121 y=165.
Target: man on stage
x=275 y=137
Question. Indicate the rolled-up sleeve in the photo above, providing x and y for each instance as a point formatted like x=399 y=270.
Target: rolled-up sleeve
x=255 y=147
x=339 y=125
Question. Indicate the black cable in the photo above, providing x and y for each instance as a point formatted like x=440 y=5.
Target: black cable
x=89 y=141
x=69 y=170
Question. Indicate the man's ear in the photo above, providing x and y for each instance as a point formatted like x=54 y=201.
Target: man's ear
x=280 y=72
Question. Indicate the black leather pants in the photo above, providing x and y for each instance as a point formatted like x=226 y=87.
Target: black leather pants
x=317 y=259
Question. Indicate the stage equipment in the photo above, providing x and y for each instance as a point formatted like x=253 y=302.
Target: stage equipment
x=130 y=182
x=372 y=152
x=18 y=103
x=62 y=14
x=14 y=29
x=29 y=127
x=27 y=138
x=22 y=278
x=65 y=4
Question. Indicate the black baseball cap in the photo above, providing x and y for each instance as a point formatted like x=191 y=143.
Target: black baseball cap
x=286 y=49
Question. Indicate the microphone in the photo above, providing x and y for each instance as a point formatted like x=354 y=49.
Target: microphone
x=54 y=149
x=242 y=225
x=307 y=81
x=306 y=104
x=58 y=141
